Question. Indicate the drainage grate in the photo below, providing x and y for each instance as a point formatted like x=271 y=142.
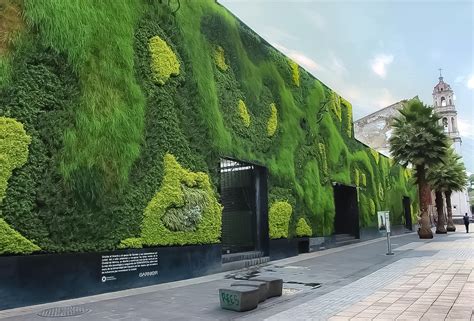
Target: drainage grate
x=63 y=312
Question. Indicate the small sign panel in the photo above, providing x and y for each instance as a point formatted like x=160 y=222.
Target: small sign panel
x=384 y=221
x=141 y=264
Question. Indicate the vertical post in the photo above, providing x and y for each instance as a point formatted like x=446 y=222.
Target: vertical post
x=388 y=229
x=389 y=245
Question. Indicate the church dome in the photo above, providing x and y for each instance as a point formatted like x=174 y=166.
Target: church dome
x=441 y=86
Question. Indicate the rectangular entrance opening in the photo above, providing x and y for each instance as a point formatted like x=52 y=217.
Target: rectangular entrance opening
x=407 y=213
x=243 y=192
x=346 y=220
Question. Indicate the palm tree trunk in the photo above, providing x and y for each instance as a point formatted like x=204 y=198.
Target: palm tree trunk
x=440 y=226
x=424 y=232
x=451 y=227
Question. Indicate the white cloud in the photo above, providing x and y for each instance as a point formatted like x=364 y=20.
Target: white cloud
x=466 y=128
x=299 y=57
x=379 y=64
x=470 y=82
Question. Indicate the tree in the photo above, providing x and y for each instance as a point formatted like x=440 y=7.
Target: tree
x=457 y=182
x=418 y=139
x=450 y=175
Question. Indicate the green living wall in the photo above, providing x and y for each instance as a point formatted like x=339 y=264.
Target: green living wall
x=120 y=110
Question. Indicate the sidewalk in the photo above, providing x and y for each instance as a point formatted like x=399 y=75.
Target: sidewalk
x=427 y=280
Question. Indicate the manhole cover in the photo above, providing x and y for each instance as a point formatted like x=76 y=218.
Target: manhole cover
x=63 y=312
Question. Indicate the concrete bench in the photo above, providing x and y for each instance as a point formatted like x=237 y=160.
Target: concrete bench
x=275 y=285
x=239 y=298
x=262 y=288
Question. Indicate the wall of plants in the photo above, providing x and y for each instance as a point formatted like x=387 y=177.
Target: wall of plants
x=111 y=133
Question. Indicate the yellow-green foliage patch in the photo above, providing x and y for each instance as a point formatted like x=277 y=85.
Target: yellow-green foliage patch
x=372 y=207
x=356 y=177
x=13 y=154
x=12 y=242
x=302 y=228
x=172 y=196
x=376 y=155
x=363 y=179
x=348 y=115
x=14 y=144
x=244 y=114
x=272 y=121
x=381 y=192
x=219 y=58
x=295 y=72
x=163 y=60
x=279 y=219
x=336 y=105
x=324 y=160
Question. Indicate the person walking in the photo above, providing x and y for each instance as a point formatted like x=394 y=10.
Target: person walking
x=466 y=222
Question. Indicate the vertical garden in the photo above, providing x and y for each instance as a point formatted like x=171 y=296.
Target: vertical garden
x=114 y=116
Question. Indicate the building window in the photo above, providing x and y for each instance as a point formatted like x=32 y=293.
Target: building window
x=445 y=124
x=443 y=101
x=453 y=126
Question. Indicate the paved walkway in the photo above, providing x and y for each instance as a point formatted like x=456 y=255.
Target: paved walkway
x=424 y=280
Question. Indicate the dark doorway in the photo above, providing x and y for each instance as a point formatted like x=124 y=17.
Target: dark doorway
x=243 y=192
x=347 y=211
x=407 y=213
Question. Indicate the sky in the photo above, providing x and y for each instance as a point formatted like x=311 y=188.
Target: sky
x=376 y=52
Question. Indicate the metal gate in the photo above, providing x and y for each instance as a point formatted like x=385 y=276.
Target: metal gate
x=238 y=196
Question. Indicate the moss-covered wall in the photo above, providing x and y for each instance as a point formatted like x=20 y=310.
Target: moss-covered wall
x=128 y=119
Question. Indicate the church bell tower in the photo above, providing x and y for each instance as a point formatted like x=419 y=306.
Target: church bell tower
x=443 y=103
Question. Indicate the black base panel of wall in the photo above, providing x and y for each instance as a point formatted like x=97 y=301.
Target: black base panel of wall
x=282 y=248
x=35 y=279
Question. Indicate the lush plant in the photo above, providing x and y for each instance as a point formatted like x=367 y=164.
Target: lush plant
x=164 y=63
x=295 y=72
x=302 y=228
x=219 y=58
x=12 y=242
x=418 y=139
x=244 y=114
x=279 y=217
x=13 y=150
x=272 y=121
x=110 y=110
x=173 y=196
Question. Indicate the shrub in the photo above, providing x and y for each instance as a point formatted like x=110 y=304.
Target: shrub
x=12 y=242
x=363 y=178
x=219 y=58
x=172 y=196
x=163 y=60
x=303 y=229
x=295 y=73
x=13 y=150
x=279 y=219
x=244 y=114
x=272 y=121
x=131 y=243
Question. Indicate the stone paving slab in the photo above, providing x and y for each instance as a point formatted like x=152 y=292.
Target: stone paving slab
x=436 y=287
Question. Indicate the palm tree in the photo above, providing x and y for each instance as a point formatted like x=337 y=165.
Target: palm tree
x=417 y=138
x=456 y=183
x=443 y=177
